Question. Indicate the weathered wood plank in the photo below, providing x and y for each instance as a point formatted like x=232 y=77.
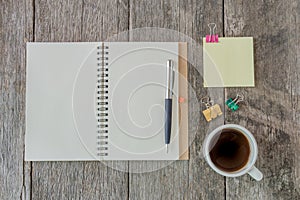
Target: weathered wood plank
x=272 y=112
x=100 y=21
x=105 y=20
x=194 y=16
x=79 y=21
x=192 y=179
x=29 y=37
x=272 y=109
x=57 y=21
x=162 y=177
x=13 y=33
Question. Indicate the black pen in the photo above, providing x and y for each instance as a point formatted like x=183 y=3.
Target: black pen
x=168 y=102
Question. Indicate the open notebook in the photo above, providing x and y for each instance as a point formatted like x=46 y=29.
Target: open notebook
x=103 y=101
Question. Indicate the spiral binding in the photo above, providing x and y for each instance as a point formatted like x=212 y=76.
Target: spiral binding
x=102 y=100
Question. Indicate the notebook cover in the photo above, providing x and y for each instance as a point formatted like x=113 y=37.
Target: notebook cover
x=183 y=107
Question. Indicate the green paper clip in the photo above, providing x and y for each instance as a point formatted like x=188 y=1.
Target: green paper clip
x=233 y=103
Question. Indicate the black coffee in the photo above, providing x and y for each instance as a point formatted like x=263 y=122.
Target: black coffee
x=231 y=150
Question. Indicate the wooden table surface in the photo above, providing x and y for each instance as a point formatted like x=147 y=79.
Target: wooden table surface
x=272 y=112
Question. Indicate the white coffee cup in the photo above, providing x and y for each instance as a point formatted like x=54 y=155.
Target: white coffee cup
x=248 y=167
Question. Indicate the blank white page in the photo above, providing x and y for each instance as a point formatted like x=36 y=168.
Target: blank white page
x=137 y=85
x=60 y=99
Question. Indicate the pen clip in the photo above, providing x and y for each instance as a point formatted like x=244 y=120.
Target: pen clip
x=173 y=78
x=170 y=79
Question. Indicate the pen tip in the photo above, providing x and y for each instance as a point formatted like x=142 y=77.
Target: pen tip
x=167 y=148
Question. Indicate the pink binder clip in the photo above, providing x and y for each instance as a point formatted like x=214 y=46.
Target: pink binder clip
x=212 y=37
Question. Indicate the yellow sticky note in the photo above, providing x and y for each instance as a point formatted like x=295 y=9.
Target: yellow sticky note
x=228 y=63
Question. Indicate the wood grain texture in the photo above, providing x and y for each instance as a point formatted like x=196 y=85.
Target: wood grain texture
x=105 y=20
x=13 y=33
x=29 y=37
x=272 y=111
x=79 y=21
x=203 y=183
x=57 y=21
x=163 y=177
x=105 y=179
x=193 y=179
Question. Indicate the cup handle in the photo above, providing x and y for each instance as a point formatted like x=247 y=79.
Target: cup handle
x=255 y=173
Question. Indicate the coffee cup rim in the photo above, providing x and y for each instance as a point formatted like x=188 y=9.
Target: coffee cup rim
x=250 y=139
